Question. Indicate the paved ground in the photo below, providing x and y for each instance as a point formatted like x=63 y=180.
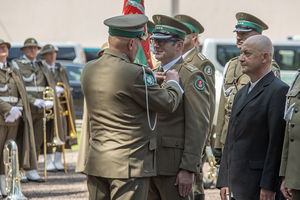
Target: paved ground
x=68 y=186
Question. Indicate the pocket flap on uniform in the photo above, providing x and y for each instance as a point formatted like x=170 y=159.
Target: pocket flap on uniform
x=256 y=164
x=172 y=142
x=152 y=144
x=293 y=93
x=244 y=80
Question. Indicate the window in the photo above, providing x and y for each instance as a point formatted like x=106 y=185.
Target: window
x=287 y=57
x=226 y=52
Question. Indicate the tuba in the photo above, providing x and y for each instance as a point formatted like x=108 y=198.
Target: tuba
x=63 y=99
x=48 y=94
x=11 y=162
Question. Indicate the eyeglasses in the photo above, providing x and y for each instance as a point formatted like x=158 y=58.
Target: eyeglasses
x=161 y=42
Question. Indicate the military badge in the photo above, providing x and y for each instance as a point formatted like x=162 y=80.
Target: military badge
x=208 y=70
x=149 y=79
x=158 y=19
x=199 y=84
x=275 y=72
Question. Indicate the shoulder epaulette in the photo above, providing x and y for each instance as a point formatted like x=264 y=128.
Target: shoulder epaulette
x=191 y=68
x=201 y=56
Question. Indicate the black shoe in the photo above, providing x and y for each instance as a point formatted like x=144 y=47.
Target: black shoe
x=36 y=180
x=199 y=197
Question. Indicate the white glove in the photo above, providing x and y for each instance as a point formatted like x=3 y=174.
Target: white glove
x=48 y=104
x=59 y=90
x=39 y=103
x=9 y=118
x=15 y=112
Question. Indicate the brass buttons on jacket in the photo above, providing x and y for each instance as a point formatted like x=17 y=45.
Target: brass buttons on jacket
x=292 y=139
x=296 y=110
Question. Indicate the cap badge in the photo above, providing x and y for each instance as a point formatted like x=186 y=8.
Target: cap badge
x=158 y=19
x=32 y=41
x=241 y=17
x=50 y=47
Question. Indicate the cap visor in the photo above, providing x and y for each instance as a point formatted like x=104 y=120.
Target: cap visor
x=242 y=29
x=160 y=36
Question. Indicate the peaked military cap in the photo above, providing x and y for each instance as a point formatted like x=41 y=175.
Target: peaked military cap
x=247 y=23
x=104 y=46
x=48 y=48
x=168 y=27
x=127 y=25
x=7 y=43
x=193 y=24
x=150 y=26
x=30 y=42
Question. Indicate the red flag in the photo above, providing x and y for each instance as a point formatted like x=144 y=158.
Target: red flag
x=137 y=7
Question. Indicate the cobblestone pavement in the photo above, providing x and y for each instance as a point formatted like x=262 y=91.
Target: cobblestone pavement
x=71 y=185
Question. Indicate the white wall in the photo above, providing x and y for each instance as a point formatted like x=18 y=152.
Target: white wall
x=82 y=20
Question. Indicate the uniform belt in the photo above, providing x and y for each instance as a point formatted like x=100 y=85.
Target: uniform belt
x=10 y=99
x=35 y=89
x=228 y=112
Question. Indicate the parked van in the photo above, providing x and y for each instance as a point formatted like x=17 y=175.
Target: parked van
x=68 y=51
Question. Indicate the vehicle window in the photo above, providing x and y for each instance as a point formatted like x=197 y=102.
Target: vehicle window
x=66 y=53
x=287 y=57
x=73 y=73
x=14 y=53
x=226 y=52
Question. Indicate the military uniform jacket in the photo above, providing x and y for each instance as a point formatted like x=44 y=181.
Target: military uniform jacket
x=182 y=134
x=39 y=77
x=122 y=145
x=233 y=80
x=290 y=161
x=198 y=60
x=25 y=136
x=252 y=151
x=61 y=75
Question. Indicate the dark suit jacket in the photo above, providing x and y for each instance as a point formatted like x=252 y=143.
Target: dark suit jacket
x=252 y=150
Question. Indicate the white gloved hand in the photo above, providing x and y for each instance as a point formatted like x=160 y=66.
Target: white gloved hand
x=39 y=103
x=48 y=104
x=59 y=90
x=9 y=118
x=15 y=112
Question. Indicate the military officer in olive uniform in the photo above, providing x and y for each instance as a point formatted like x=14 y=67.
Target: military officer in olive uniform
x=123 y=138
x=182 y=134
x=15 y=116
x=290 y=160
x=233 y=78
x=59 y=74
x=36 y=77
x=192 y=56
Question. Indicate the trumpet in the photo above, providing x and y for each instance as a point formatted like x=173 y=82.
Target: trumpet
x=12 y=179
x=63 y=99
x=48 y=94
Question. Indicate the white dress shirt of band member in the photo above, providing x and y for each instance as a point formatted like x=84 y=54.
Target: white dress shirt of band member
x=36 y=77
x=233 y=78
x=15 y=116
x=59 y=74
x=182 y=134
